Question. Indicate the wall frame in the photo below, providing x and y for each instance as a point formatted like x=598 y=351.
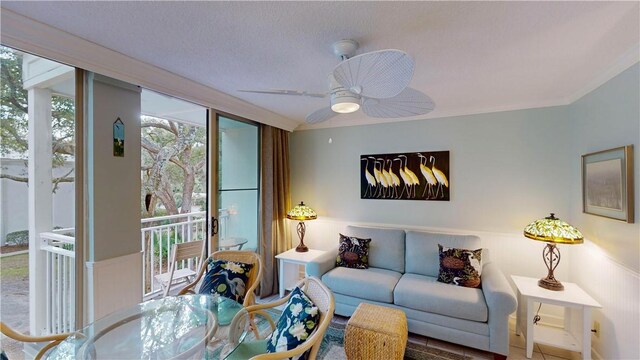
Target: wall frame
x=607 y=183
x=405 y=176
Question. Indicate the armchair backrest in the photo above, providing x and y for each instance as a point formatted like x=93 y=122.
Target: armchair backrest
x=322 y=297
x=52 y=339
x=247 y=257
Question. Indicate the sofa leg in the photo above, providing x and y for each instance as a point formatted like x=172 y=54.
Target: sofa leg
x=499 y=357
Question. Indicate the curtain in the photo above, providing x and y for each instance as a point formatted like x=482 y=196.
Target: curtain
x=275 y=202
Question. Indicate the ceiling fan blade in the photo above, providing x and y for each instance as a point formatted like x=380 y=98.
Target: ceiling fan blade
x=285 y=92
x=410 y=102
x=320 y=115
x=378 y=74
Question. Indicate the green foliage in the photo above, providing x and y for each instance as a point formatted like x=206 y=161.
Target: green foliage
x=14 y=114
x=18 y=238
x=13 y=105
x=161 y=134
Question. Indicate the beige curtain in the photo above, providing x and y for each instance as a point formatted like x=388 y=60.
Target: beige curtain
x=275 y=202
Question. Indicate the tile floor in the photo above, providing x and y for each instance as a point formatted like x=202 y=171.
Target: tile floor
x=516 y=345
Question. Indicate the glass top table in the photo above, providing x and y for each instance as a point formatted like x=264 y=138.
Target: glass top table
x=176 y=327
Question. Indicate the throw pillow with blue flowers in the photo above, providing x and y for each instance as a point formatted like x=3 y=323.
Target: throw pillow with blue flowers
x=226 y=278
x=299 y=319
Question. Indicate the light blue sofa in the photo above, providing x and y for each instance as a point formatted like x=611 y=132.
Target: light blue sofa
x=403 y=271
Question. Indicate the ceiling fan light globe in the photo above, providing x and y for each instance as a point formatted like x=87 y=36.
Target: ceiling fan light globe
x=345 y=107
x=344 y=102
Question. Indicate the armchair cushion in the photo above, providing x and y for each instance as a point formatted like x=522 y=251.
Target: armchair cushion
x=298 y=320
x=226 y=278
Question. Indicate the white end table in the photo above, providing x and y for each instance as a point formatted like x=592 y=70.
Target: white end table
x=230 y=242
x=289 y=263
x=571 y=298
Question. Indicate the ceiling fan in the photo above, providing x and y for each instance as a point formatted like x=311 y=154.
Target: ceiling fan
x=375 y=81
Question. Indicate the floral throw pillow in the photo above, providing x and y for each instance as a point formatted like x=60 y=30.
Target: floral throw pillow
x=460 y=267
x=353 y=252
x=299 y=319
x=226 y=278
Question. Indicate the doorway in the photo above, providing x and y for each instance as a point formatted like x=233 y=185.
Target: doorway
x=238 y=184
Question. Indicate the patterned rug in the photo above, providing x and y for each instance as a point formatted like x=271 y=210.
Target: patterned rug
x=332 y=347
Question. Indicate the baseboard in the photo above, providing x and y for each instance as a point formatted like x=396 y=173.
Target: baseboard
x=106 y=290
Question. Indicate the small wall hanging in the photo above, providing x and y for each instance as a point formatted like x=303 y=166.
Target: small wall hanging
x=118 y=138
x=607 y=183
x=405 y=176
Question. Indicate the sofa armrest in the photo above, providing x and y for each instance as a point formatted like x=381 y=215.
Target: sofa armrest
x=322 y=264
x=501 y=302
x=497 y=291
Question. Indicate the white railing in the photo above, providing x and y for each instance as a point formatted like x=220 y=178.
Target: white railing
x=158 y=234
x=60 y=280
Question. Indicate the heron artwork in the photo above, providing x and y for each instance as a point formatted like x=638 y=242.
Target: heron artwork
x=422 y=175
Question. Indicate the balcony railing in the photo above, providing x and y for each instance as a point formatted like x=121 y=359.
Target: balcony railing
x=157 y=234
x=60 y=280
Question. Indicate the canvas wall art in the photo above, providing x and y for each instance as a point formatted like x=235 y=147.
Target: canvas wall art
x=405 y=176
x=607 y=183
x=118 y=138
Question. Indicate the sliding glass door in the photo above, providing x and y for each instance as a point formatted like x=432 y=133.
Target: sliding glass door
x=39 y=169
x=238 y=184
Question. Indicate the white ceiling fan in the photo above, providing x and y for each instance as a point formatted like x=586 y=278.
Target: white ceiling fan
x=376 y=81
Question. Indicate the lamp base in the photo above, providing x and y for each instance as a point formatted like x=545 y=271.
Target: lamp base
x=550 y=284
x=551 y=256
x=301 y=230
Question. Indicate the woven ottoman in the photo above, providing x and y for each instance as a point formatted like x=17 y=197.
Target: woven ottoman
x=376 y=332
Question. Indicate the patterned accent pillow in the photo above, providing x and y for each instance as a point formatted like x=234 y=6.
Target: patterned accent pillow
x=227 y=278
x=460 y=267
x=298 y=320
x=353 y=252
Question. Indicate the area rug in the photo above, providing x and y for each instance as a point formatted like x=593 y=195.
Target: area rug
x=332 y=347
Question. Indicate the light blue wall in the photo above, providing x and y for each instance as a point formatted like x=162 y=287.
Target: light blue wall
x=608 y=117
x=607 y=265
x=507 y=169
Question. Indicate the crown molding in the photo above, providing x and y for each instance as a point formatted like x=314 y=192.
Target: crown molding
x=625 y=61
x=34 y=37
x=434 y=115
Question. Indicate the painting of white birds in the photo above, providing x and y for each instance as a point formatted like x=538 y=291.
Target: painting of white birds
x=421 y=175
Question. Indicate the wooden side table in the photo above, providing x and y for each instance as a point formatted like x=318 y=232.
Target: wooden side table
x=573 y=299
x=289 y=267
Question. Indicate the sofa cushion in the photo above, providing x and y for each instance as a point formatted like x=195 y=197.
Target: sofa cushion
x=353 y=252
x=370 y=284
x=422 y=250
x=425 y=293
x=460 y=267
x=386 y=250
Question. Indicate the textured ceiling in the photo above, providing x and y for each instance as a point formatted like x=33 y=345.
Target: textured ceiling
x=470 y=57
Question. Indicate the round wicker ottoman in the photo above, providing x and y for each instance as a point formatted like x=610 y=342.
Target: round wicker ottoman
x=376 y=332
